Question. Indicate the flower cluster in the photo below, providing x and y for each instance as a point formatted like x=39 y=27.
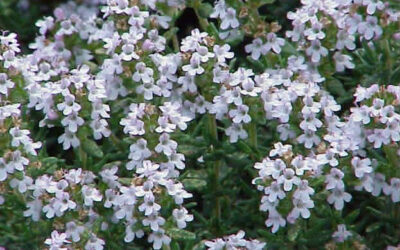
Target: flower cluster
x=234 y=241
x=96 y=120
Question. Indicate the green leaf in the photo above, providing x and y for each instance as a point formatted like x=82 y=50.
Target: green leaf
x=212 y=30
x=174 y=245
x=244 y=147
x=375 y=211
x=92 y=149
x=194 y=184
x=170 y=33
x=195 y=180
x=48 y=161
x=373 y=227
x=335 y=87
x=125 y=181
x=199 y=246
x=351 y=217
x=180 y=234
x=289 y=49
x=266 y=2
x=205 y=10
x=256 y=63
x=293 y=232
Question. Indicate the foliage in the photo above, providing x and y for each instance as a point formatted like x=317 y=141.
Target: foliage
x=199 y=125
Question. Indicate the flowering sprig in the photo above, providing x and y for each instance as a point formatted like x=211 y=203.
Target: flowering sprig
x=114 y=116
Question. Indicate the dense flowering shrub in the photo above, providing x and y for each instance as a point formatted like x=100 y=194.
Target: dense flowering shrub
x=122 y=128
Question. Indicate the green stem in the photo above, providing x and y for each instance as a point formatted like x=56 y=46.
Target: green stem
x=175 y=43
x=83 y=157
x=203 y=22
x=212 y=127
x=117 y=142
x=253 y=135
x=212 y=123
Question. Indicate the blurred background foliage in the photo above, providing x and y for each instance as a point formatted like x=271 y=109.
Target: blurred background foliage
x=20 y=16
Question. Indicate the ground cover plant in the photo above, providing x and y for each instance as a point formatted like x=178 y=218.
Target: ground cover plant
x=172 y=124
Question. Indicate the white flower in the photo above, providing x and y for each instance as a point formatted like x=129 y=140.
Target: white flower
x=66 y=28
x=229 y=19
x=203 y=53
x=130 y=234
x=361 y=114
x=166 y=145
x=256 y=48
x=266 y=205
x=100 y=129
x=310 y=122
x=128 y=52
x=159 y=238
x=164 y=125
x=393 y=189
x=109 y=176
x=342 y=234
x=316 y=50
x=149 y=206
x=21 y=184
x=69 y=105
x=334 y=179
x=303 y=191
x=315 y=32
x=181 y=216
x=154 y=221
x=240 y=115
x=17 y=161
x=300 y=209
x=74 y=231
x=378 y=184
x=34 y=209
x=72 y=121
x=177 y=160
x=68 y=139
x=379 y=137
x=19 y=136
x=222 y=53
x=5 y=84
x=309 y=138
x=218 y=244
x=344 y=39
x=370 y=28
x=90 y=194
x=271 y=168
x=275 y=220
x=274 y=192
x=328 y=157
x=143 y=73
x=343 y=62
x=57 y=241
x=274 y=43
x=111 y=43
x=94 y=243
x=338 y=197
x=361 y=167
x=288 y=178
x=280 y=149
x=392 y=131
x=373 y=5
x=236 y=132
x=194 y=68
x=147 y=169
x=219 y=9
x=45 y=24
